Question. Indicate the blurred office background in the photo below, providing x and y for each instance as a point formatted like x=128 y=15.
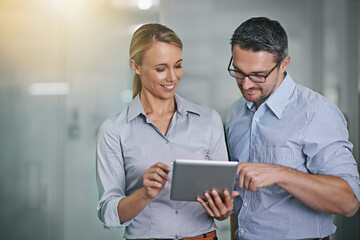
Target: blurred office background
x=64 y=70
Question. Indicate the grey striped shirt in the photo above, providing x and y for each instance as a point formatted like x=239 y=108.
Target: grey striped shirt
x=130 y=143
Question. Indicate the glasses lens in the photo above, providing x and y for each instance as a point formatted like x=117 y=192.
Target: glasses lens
x=257 y=78
x=236 y=74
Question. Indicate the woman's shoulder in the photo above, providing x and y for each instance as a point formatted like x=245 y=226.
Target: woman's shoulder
x=202 y=111
x=114 y=122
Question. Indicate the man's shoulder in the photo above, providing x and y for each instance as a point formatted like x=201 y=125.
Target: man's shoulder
x=238 y=104
x=315 y=103
x=235 y=109
x=310 y=97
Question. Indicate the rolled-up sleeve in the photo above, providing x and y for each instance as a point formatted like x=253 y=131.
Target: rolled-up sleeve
x=110 y=175
x=327 y=147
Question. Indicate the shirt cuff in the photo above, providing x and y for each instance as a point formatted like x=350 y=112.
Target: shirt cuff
x=111 y=216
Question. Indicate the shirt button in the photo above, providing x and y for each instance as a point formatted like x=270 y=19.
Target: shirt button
x=252 y=146
x=242 y=231
x=245 y=204
x=256 y=119
x=177 y=212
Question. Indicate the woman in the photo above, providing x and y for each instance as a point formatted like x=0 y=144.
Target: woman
x=135 y=149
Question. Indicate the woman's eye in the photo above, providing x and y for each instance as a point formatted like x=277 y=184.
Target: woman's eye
x=159 y=69
x=178 y=66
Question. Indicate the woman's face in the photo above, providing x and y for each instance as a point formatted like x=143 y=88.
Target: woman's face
x=161 y=70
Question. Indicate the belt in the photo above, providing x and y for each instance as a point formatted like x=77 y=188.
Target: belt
x=324 y=238
x=207 y=236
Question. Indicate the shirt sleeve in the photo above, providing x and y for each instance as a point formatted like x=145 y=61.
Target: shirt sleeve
x=217 y=148
x=327 y=147
x=110 y=175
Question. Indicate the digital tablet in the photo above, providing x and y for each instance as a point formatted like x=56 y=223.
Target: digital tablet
x=191 y=178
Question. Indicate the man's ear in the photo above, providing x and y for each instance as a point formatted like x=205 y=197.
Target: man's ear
x=134 y=66
x=285 y=63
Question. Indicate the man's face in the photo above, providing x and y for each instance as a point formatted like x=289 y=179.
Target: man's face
x=258 y=63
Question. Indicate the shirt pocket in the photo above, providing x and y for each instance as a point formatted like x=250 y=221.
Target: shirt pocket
x=277 y=156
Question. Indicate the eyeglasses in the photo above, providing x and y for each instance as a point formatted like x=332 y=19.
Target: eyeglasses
x=253 y=77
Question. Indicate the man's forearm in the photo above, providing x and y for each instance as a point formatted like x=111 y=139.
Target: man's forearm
x=328 y=194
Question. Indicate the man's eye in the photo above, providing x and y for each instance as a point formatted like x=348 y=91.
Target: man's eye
x=178 y=66
x=239 y=73
x=257 y=77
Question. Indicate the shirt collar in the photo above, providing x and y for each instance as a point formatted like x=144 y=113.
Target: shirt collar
x=135 y=109
x=278 y=99
x=183 y=107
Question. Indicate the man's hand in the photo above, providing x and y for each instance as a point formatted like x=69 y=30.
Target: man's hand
x=256 y=175
x=215 y=207
x=327 y=194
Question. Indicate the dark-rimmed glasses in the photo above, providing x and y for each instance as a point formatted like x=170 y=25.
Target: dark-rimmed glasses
x=253 y=77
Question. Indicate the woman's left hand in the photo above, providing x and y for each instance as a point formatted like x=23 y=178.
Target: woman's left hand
x=215 y=207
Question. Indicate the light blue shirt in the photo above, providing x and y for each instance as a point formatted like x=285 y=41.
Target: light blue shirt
x=130 y=143
x=296 y=128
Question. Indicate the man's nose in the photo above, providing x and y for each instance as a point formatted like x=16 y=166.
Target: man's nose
x=247 y=83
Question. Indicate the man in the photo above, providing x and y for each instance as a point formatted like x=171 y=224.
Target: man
x=296 y=166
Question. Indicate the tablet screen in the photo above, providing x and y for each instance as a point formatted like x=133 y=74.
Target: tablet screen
x=191 y=178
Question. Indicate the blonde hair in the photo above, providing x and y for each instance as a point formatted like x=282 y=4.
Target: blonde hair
x=141 y=41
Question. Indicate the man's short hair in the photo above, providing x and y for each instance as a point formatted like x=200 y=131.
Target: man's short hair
x=262 y=34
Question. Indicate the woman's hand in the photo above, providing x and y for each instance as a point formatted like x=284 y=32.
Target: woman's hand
x=155 y=179
x=215 y=207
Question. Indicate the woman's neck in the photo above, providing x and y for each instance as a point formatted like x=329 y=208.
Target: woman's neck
x=156 y=106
